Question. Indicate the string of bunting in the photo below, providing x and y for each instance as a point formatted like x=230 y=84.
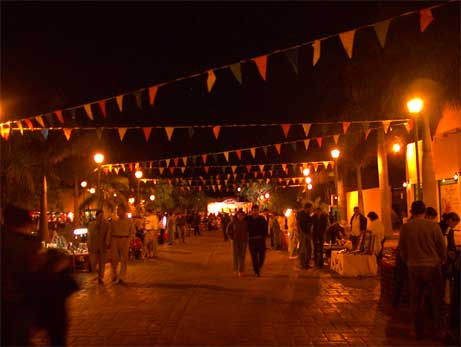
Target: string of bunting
x=99 y=107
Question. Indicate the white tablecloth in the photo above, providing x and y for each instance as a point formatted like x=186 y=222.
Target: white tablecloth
x=347 y=264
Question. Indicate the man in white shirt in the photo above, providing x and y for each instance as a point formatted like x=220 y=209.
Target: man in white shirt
x=152 y=227
x=358 y=227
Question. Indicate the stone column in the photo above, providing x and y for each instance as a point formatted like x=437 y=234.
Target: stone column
x=384 y=188
x=428 y=172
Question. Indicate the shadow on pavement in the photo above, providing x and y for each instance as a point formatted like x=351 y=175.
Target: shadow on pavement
x=182 y=286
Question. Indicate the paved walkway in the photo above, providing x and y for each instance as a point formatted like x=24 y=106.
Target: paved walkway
x=189 y=296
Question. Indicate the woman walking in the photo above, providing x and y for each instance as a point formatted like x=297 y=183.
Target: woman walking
x=237 y=231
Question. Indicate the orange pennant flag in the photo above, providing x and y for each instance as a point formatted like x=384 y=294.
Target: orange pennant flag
x=261 y=168
x=206 y=168
x=286 y=129
x=169 y=132
x=346 y=126
x=261 y=64
x=425 y=19
x=336 y=139
x=119 y=100
x=19 y=124
x=284 y=167
x=122 y=132
x=233 y=167
x=307 y=128
x=152 y=94
x=147 y=132
x=316 y=166
x=347 y=39
x=88 y=111
x=306 y=144
x=386 y=125
x=211 y=79
x=102 y=106
x=226 y=155
x=60 y=117
x=216 y=130
x=204 y=158
x=39 y=119
x=67 y=133
x=316 y=54
x=184 y=160
x=248 y=168
x=239 y=154
x=278 y=147
x=319 y=141
x=161 y=169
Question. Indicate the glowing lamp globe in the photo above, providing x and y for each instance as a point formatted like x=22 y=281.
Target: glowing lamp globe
x=98 y=158
x=138 y=174
x=415 y=105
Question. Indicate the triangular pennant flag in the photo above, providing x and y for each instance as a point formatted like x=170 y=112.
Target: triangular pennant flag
x=278 y=147
x=365 y=126
x=147 y=132
x=29 y=123
x=138 y=96
x=261 y=64
x=293 y=145
x=204 y=158
x=99 y=133
x=44 y=133
x=216 y=130
x=121 y=133
x=233 y=167
x=284 y=167
x=152 y=94
x=5 y=133
x=381 y=31
x=59 y=116
x=183 y=169
x=171 y=170
x=255 y=174
x=88 y=111
x=67 y=133
x=367 y=132
x=325 y=164
x=167 y=161
x=176 y=162
x=226 y=155
x=425 y=19
x=161 y=169
x=286 y=129
x=123 y=167
x=237 y=71
x=265 y=150
x=336 y=139
x=239 y=154
x=319 y=141
x=211 y=79
x=253 y=152
x=316 y=166
x=184 y=160
x=40 y=121
x=346 y=126
x=102 y=106
x=409 y=125
x=316 y=54
x=307 y=128
x=206 y=168
x=386 y=125
x=248 y=168
x=292 y=56
x=119 y=100
x=21 y=130
x=191 y=132
x=347 y=39
x=169 y=132
x=131 y=166
x=117 y=170
x=261 y=168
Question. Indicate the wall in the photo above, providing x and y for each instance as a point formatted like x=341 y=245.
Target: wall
x=371 y=201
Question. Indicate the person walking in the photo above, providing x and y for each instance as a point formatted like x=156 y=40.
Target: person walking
x=293 y=234
x=97 y=244
x=171 y=227
x=277 y=231
x=320 y=225
x=305 y=226
x=120 y=232
x=257 y=232
x=358 y=227
x=237 y=231
x=152 y=226
x=196 y=223
x=423 y=250
x=181 y=226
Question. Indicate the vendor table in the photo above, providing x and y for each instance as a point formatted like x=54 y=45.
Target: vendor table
x=350 y=264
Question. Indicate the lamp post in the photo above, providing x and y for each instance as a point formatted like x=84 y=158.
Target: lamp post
x=99 y=159
x=138 y=175
x=83 y=184
x=335 y=153
x=414 y=107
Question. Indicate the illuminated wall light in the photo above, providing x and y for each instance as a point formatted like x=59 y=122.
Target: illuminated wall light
x=405 y=184
x=92 y=190
x=309 y=186
x=115 y=195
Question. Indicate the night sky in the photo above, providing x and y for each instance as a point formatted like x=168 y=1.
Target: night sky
x=57 y=55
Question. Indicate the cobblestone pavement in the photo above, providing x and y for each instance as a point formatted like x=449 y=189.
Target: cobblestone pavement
x=189 y=296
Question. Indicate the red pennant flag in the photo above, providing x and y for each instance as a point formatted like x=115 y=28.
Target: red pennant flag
x=261 y=64
x=171 y=170
x=29 y=123
x=248 y=168
x=239 y=154
x=346 y=126
x=206 y=168
x=278 y=147
x=67 y=133
x=319 y=141
x=286 y=129
x=88 y=111
x=216 y=130
x=60 y=117
x=204 y=158
x=147 y=132
x=211 y=79
x=169 y=182
x=152 y=94
x=425 y=19
x=176 y=161
x=102 y=106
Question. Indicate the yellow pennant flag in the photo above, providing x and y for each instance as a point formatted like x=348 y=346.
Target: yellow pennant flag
x=211 y=79
x=40 y=121
x=261 y=64
x=169 y=132
x=347 y=39
x=67 y=133
x=122 y=132
x=119 y=100
x=316 y=54
x=325 y=164
x=88 y=111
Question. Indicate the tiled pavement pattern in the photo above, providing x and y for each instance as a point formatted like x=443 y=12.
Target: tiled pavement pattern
x=189 y=296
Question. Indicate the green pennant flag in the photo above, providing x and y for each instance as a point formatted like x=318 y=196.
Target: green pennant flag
x=138 y=96
x=237 y=71
x=381 y=31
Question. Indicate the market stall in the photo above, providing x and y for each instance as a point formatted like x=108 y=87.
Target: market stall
x=353 y=264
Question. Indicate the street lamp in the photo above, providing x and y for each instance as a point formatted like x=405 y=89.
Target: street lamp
x=138 y=175
x=99 y=159
x=83 y=184
x=335 y=153
x=306 y=172
x=152 y=197
x=92 y=190
x=415 y=106
x=396 y=147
